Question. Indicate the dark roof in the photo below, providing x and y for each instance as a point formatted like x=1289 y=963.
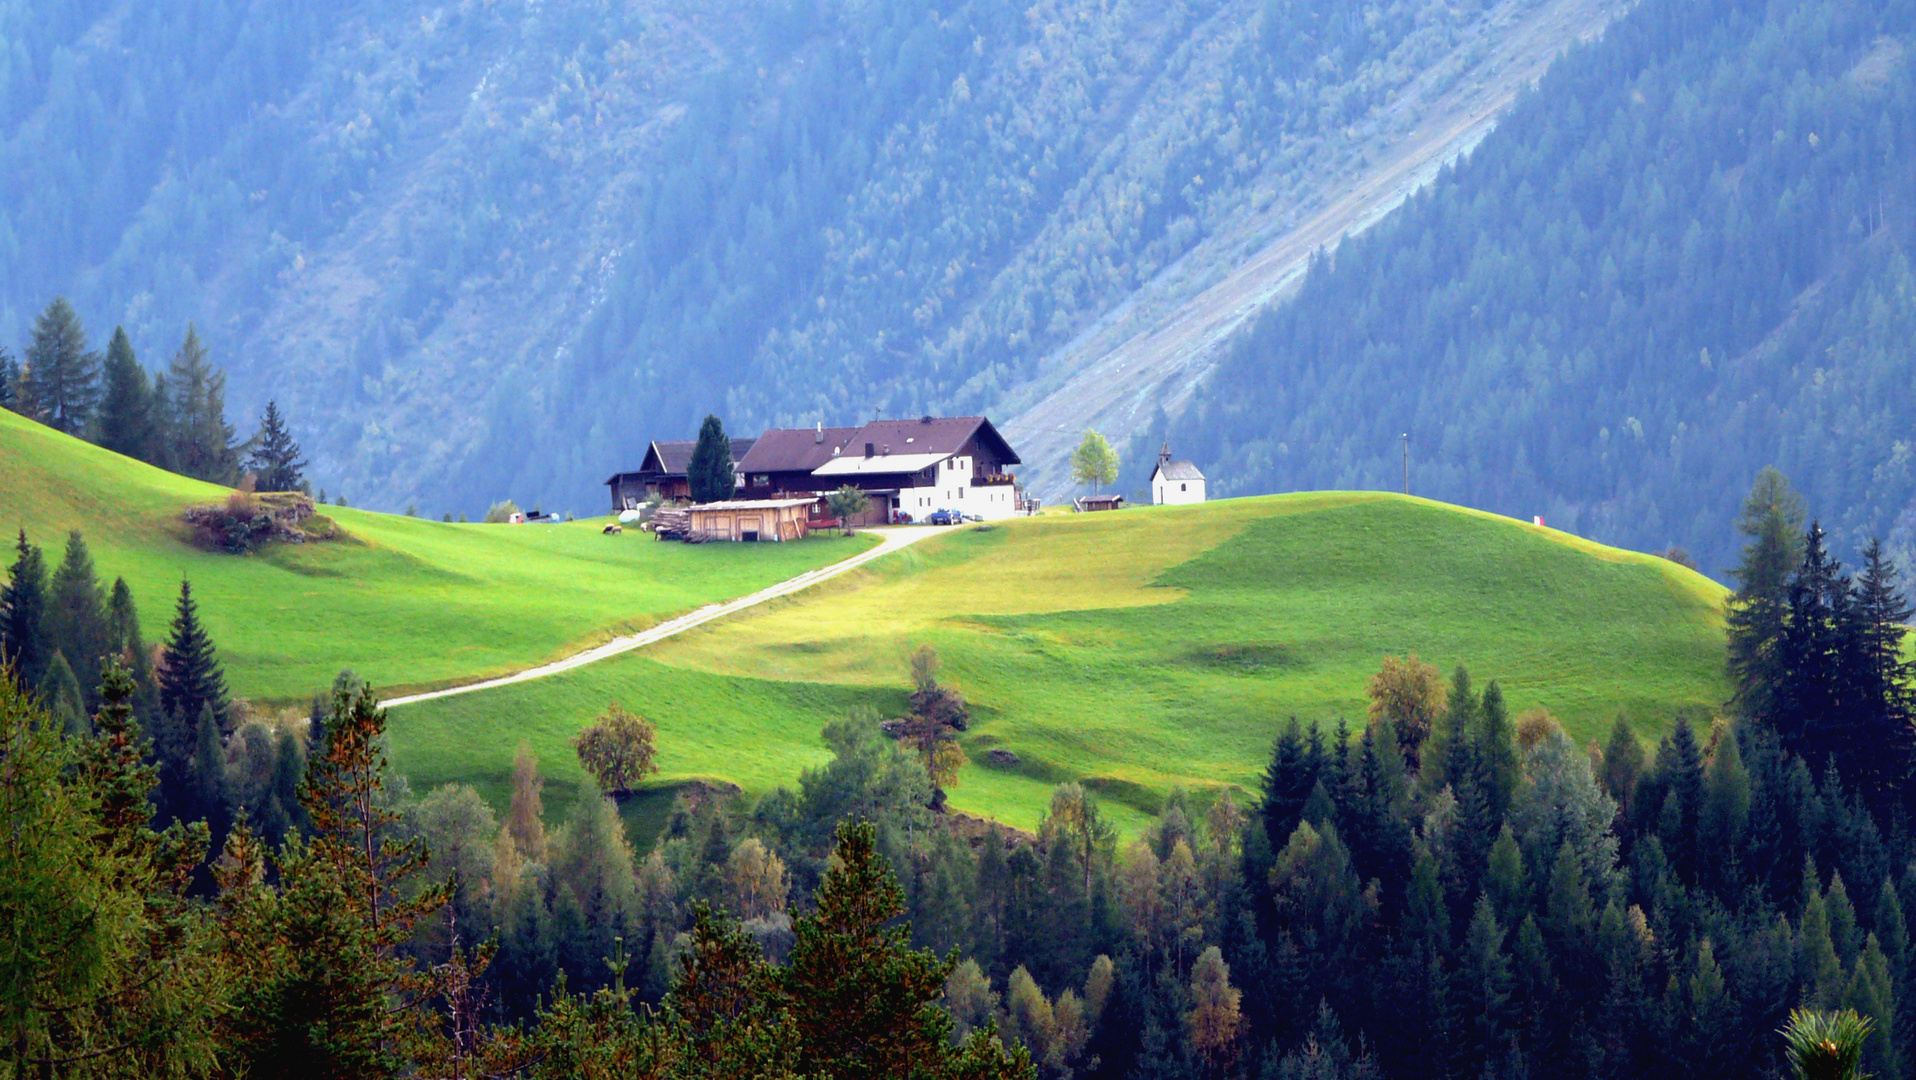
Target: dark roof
x=794 y=449
x=931 y=435
x=1179 y=470
x=671 y=457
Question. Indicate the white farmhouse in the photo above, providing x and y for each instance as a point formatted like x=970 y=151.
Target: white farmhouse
x=1175 y=482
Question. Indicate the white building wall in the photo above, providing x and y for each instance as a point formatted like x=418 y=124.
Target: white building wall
x=1175 y=492
x=951 y=489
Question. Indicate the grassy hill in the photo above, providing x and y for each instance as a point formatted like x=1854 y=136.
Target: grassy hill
x=405 y=603
x=1136 y=651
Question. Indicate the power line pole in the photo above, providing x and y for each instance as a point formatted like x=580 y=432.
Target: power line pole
x=1406 y=462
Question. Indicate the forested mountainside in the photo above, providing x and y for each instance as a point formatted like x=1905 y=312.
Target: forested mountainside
x=1686 y=256
x=490 y=248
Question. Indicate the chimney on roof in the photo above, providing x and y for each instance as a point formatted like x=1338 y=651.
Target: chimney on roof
x=869 y=448
x=818 y=433
x=886 y=452
x=926 y=419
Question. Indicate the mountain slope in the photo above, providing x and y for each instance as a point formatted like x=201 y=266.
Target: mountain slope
x=1136 y=651
x=1685 y=257
x=400 y=601
x=490 y=249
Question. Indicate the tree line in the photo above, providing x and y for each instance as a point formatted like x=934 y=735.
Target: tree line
x=175 y=419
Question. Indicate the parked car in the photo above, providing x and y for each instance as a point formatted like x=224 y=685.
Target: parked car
x=946 y=517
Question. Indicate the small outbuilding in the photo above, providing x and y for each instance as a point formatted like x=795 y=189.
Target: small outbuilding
x=1088 y=503
x=1175 y=482
x=751 y=519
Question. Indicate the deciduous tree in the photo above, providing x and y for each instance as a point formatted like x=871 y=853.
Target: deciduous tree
x=618 y=749
x=1094 y=462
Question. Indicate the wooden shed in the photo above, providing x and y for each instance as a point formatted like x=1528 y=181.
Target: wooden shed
x=751 y=519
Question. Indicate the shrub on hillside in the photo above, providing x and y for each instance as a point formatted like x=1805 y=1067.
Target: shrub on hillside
x=501 y=512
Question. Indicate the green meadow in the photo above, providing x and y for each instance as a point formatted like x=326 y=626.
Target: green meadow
x=1136 y=651
x=405 y=603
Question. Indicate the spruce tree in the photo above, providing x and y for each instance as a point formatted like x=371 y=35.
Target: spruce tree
x=1772 y=518
x=23 y=605
x=275 y=460
x=76 y=619
x=191 y=682
x=128 y=421
x=9 y=381
x=59 y=694
x=710 y=471
x=1811 y=705
x=60 y=385
x=199 y=440
x=1883 y=742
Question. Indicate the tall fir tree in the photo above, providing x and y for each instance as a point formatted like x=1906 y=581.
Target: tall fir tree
x=60 y=384
x=1883 y=751
x=275 y=459
x=190 y=677
x=9 y=381
x=1811 y=711
x=76 y=619
x=23 y=607
x=199 y=440
x=128 y=420
x=1755 y=614
x=710 y=471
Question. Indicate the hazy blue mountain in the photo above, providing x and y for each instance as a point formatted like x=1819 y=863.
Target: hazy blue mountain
x=489 y=248
x=1686 y=256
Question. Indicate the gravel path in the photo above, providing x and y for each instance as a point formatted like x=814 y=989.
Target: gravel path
x=893 y=540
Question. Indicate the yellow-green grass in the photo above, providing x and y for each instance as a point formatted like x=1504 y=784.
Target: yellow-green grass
x=404 y=603
x=1135 y=651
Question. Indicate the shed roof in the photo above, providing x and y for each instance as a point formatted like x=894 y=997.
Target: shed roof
x=752 y=504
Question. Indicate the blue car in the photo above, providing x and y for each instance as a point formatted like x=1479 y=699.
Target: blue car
x=945 y=517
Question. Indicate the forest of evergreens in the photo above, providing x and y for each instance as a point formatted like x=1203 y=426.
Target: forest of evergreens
x=1684 y=257
x=1441 y=890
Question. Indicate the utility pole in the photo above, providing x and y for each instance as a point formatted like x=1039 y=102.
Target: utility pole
x=1406 y=462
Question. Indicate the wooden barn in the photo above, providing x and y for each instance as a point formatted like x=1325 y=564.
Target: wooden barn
x=751 y=519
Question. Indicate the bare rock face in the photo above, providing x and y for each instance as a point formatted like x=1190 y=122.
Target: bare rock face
x=1002 y=758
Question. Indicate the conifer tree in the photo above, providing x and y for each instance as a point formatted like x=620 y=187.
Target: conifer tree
x=191 y=682
x=23 y=605
x=1772 y=518
x=59 y=694
x=1502 y=771
x=332 y=993
x=710 y=473
x=76 y=618
x=275 y=461
x=209 y=774
x=9 y=381
x=60 y=383
x=1882 y=751
x=199 y=440
x=128 y=420
x=861 y=1002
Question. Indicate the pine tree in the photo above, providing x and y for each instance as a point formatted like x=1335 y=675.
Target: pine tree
x=1772 y=518
x=275 y=459
x=1482 y=989
x=861 y=1002
x=60 y=385
x=710 y=472
x=76 y=619
x=191 y=682
x=23 y=606
x=199 y=440
x=326 y=989
x=1812 y=710
x=1502 y=771
x=59 y=694
x=1882 y=750
x=128 y=421
x=9 y=381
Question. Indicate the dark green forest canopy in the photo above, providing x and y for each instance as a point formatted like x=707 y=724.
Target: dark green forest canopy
x=1681 y=259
